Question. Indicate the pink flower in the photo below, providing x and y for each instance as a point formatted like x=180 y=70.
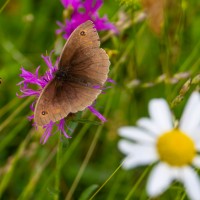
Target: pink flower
x=83 y=11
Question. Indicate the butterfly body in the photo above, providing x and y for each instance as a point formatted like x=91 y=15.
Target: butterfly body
x=82 y=67
x=61 y=75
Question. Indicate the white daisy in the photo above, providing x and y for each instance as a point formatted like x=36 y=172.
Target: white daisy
x=174 y=149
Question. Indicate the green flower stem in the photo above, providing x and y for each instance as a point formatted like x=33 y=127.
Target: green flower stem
x=17 y=128
x=106 y=182
x=89 y=153
x=66 y=156
x=12 y=165
x=15 y=113
x=28 y=191
x=4 y=5
x=191 y=58
x=137 y=183
x=84 y=164
x=9 y=106
x=58 y=167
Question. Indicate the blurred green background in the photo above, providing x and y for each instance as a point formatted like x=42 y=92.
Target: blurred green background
x=144 y=63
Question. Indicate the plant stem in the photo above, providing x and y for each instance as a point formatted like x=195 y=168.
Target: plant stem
x=105 y=182
x=84 y=164
x=58 y=167
x=137 y=183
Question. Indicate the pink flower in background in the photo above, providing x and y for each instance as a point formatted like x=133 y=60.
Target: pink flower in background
x=41 y=81
x=83 y=11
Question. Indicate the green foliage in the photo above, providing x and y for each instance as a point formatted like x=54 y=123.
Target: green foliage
x=86 y=194
x=144 y=66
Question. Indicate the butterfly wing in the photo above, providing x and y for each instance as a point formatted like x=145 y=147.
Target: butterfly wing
x=91 y=64
x=51 y=105
x=58 y=99
x=86 y=61
x=83 y=36
x=87 y=64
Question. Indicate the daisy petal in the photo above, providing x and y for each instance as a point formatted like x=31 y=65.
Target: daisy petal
x=196 y=161
x=195 y=136
x=160 y=114
x=197 y=145
x=191 y=182
x=135 y=134
x=132 y=162
x=128 y=147
x=149 y=125
x=191 y=114
x=142 y=156
x=160 y=178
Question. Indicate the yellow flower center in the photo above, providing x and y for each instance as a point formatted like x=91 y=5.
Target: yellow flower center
x=175 y=148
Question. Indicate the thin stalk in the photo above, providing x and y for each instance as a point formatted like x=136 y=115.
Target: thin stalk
x=4 y=5
x=89 y=153
x=190 y=59
x=84 y=164
x=10 y=105
x=16 y=112
x=28 y=191
x=137 y=183
x=66 y=156
x=106 y=182
x=12 y=165
x=58 y=167
x=17 y=127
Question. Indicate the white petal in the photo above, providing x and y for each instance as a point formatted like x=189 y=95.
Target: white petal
x=143 y=157
x=136 y=134
x=191 y=116
x=197 y=145
x=161 y=114
x=196 y=161
x=195 y=136
x=159 y=180
x=128 y=147
x=149 y=125
x=191 y=182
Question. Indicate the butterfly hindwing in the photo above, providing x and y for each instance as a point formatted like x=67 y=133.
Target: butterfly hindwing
x=80 y=96
x=52 y=105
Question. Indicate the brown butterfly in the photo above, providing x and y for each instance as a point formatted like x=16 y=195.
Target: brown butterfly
x=82 y=71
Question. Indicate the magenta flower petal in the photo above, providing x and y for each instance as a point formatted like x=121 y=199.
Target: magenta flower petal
x=73 y=3
x=92 y=6
x=30 y=117
x=110 y=80
x=103 y=24
x=97 y=113
x=83 y=11
x=32 y=106
x=61 y=127
x=47 y=133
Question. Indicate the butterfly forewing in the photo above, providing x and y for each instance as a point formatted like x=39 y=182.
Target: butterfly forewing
x=92 y=63
x=83 y=36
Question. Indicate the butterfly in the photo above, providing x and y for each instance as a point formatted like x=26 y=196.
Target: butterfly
x=82 y=71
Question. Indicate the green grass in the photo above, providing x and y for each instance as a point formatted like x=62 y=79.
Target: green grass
x=89 y=163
